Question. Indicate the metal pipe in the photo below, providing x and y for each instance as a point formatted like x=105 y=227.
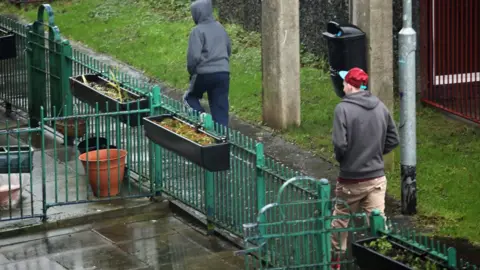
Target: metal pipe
x=407 y=83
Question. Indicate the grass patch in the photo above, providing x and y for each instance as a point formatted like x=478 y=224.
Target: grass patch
x=152 y=36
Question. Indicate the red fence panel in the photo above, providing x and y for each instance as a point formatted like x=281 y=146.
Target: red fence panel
x=450 y=56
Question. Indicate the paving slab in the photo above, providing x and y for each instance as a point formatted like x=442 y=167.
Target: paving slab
x=158 y=240
x=98 y=257
x=41 y=263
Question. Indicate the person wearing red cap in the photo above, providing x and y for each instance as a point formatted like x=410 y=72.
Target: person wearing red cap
x=363 y=131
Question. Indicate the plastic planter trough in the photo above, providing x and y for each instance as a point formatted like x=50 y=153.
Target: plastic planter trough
x=215 y=157
x=368 y=258
x=91 y=96
x=18 y=159
x=8 y=47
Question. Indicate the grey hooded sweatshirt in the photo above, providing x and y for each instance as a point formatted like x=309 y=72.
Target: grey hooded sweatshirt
x=363 y=131
x=209 y=47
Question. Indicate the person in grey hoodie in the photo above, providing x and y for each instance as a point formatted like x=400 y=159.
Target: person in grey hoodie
x=208 y=63
x=363 y=131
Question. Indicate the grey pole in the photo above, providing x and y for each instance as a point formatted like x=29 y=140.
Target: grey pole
x=408 y=137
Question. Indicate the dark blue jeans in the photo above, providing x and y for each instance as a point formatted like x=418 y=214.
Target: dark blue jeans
x=217 y=86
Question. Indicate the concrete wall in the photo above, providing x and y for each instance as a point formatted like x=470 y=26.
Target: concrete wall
x=314 y=15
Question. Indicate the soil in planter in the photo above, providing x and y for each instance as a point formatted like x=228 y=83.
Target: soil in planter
x=186 y=131
x=384 y=247
x=112 y=90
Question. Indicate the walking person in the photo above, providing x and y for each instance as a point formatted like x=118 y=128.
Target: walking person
x=208 y=63
x=363 y=131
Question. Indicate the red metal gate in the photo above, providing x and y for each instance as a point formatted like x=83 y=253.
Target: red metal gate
x=450 y=56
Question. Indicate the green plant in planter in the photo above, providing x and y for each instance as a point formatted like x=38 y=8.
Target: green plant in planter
x=381 y=246
x=384 y=247
x=112 y=89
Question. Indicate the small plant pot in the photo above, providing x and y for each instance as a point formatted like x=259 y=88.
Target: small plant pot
x=10 y=189
x=109 y=172
x=214 y=157
x=71 y=132
x=91 y=96
x=16 y=159
x=8 y=49
x=368 y=258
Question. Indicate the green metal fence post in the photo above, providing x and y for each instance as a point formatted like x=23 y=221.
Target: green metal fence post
x=55 y=52
x=37 y=61
x=325 y=212
x=377 y=222
x=66 y=71
x=155 y=150
x=452 y=257
x=44 y=173
x=29 y=61
x=209 y=184
x=65 y=98
x=261 y=192
x=36 y=73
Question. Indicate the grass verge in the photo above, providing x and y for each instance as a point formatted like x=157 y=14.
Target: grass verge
x=152 y=36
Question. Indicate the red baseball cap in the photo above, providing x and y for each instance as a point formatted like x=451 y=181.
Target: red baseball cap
x=356 y=77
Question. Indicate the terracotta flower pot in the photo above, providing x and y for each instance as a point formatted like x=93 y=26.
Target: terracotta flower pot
x=81 y=127
x=104 y=169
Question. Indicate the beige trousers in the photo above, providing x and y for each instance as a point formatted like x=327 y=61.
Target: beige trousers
x=365 y=196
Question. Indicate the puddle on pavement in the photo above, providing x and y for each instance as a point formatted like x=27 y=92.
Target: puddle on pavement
x=159 y=241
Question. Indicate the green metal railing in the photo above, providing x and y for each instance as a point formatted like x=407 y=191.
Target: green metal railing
x=13 y=72
x=69 y=182
x=293 y=228
x=19 y=166
x=49 y=62
x=238 y=194
x=228 y=199
x=295 y=233
x=47 y=66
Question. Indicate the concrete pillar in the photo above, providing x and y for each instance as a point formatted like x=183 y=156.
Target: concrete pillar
x=281 y=63
x=375 y=17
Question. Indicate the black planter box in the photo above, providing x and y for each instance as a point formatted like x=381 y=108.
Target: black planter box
x=91 y=96
x=8 y=47
x=214 y=158
x=18 y=159
x=367 y=258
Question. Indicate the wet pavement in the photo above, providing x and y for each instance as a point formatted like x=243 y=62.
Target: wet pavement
x=162 y=241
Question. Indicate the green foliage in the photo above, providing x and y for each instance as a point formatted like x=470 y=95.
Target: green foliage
x=384 y=247
x=172 y=9
x=311 y=60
